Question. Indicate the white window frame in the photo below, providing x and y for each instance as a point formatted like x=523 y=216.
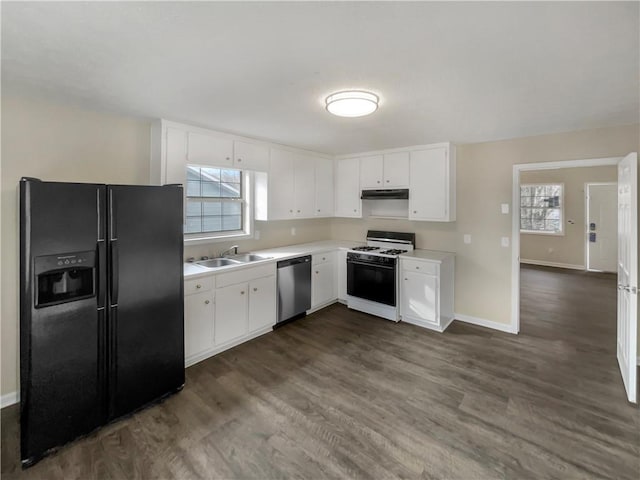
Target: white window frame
x=561 y=233
x=248 y=213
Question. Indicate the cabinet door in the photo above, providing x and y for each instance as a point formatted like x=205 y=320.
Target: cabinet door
x=324 y=187
x=231 y=313
x=250 y=156
x=371 y=172
x=419 y=296
x=262 y=303
x=198 y=323
x=209 y=150
x=323 y=285
x=281 y=177
x=304 y=186
x=396 y=170
x=348 y=203
x=429 y=179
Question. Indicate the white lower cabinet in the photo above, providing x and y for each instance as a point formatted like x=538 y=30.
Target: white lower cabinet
x=231 y=313
x=226 y=309
x=262 y=303
x=341 y=269
x=198 y=323
x=426 y=292
x=323 y=279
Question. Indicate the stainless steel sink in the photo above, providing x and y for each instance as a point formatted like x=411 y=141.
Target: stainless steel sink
x=217 y=262
x=247 y=257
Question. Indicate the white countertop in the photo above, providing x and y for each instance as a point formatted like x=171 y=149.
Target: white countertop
x=192 y=270
x=430 y=255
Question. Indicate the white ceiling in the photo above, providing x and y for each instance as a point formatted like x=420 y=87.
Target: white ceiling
x=465 y=72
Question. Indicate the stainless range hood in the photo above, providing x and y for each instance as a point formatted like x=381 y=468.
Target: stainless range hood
x=386 y=194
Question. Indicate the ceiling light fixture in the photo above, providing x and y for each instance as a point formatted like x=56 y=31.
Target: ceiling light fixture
x=352 y=103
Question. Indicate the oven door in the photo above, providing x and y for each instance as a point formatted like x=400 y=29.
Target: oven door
x=372 y=281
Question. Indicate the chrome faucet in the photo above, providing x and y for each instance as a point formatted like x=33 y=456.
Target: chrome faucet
x=228 y=250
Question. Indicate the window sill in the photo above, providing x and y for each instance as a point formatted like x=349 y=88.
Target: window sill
x=198 y=240
x=535 y=232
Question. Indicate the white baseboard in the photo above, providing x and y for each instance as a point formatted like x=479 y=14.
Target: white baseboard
x=482 y=322
x=9 y=399
x=543 y=263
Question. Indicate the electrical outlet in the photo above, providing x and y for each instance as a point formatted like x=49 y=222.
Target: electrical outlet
x=467 y=238
x=504 y=241
x=504 y=208
x=256 y=234
x=293 y=231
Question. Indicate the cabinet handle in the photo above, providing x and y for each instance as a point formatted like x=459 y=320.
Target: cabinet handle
x=317 y=272
x=355 y=210
x=387 y=181
x=206 y=302
x=406 y=279
x=298 y=211
x=324 y=258
x=239 y=159
x=227 y=158
x=198 y=286
x=417 y=268
x=290 y=211
x=242 y=292
x=255 y=289
x=415 y=211
x=378 y=181
x=318 y=210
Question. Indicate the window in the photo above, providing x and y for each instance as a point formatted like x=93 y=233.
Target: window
x=216 y=204
x=541 y=208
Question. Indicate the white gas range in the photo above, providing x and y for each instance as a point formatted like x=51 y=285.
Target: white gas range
x=372 y=273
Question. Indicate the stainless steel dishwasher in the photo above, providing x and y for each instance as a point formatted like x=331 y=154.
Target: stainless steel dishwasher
x=294 y=288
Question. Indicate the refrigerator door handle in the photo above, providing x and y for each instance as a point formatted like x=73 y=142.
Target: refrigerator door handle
x=112 y=229
x=100 y=276
x=114 y=273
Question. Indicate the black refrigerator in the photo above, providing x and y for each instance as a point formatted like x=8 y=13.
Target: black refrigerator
x=101 y=306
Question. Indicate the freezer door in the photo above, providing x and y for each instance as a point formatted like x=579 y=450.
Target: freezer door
x=62 y=327
x=146 y=315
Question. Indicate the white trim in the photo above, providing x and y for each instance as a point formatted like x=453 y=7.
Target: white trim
x=515 y=220
x=9 y=399
x=543 y=263
x=482 y=322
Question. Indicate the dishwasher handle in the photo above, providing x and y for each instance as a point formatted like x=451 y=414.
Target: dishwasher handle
x=294 y=261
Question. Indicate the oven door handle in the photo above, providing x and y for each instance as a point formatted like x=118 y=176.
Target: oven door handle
x=367 y=264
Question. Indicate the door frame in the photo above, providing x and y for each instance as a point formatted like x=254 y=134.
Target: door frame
x=586 y=221
x=515 y=219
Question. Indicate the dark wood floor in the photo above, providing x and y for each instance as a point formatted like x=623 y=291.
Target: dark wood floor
x=342 y=394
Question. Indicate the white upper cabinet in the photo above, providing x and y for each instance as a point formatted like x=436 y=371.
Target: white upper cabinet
x=432 y=188
x=324 y=187
x=205 y=149
x=281 y=203
x=304 y=173
x=390 y=170
x=250 y=156
x=347 y=185
x=396 y=170
x=371 y=171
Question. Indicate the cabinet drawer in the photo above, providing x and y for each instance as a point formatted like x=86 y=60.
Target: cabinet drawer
x=419 y=266
x=322 y=257
x=245 y=275
x=198 y=285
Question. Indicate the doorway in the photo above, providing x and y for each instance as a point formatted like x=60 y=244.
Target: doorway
x=626 y=293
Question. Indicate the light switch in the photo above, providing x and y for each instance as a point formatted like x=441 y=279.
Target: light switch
x=467 y=238
x=505 y=208
x=504 y=241
x=256 y=234
x=293 y=230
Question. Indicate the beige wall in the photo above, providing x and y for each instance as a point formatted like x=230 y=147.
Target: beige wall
x=484 y=181
x=567 y=249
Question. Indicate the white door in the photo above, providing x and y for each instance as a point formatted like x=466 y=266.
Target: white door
x=628 y=271
x=371 y=172
x=250 y=156
x=209 y=150
x=281 y=201
x=323 y=286
x=304 y=186
x=602 y=227
x=419 y=296
x=198 y=323
x=231 y=313
x=324 y=187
